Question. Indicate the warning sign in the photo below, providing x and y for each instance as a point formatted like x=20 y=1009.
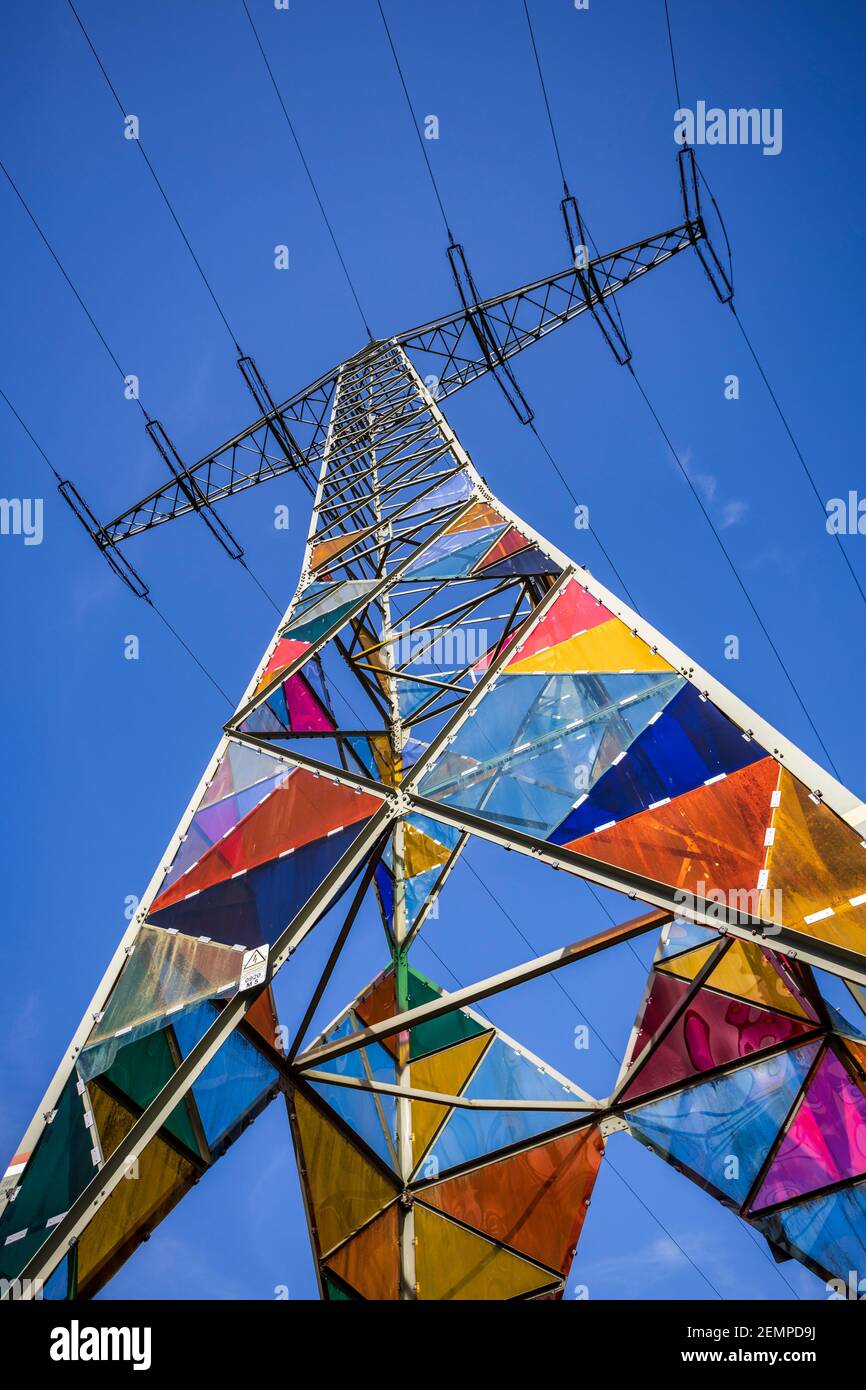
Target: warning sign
x=254 y=969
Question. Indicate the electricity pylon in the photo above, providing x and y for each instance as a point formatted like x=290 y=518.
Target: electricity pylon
x=495 y=690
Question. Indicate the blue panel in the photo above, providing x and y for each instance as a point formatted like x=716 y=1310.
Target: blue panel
x=385 y=884
x=362 y=1110
x=452 y=490
x=507 y=1074
x=257 y=905
x=411 y=695
x=735 y=1115
x=454 y=555
x=443 y=834
x=844 y=1012
x=530 y=561
x=684 y=936
x=536 y=742
x=829 y=1230
x=690 y=743
x=418 y=890
x=232 y=1083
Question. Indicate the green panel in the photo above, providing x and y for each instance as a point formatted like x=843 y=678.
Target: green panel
x=140 y=1071
x=439 y=1032
x=333 y=1291
x=59 y=1170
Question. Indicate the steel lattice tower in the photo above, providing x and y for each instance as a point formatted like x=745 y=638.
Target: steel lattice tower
x=495 y=689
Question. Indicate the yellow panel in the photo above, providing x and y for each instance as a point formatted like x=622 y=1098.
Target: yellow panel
x=453 y=1263
x=816 y=862
x=743 y=970
x=686 y=966
x=446 y=1072
x=420 y=852
x=609 y=647
x=345 y=1190
x=137 y=1203
x=479 y=514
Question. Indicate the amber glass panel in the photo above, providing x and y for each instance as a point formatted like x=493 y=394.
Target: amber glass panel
x=345 y=1189
x=452 y=1263
x=138 y=1202
x=818 y=862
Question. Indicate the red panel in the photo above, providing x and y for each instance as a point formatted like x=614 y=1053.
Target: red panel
x=300 y=810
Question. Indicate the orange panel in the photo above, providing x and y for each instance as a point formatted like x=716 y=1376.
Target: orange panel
x=507 y=545
x=479 y=514
x=370 y=1262
x=534 y=1201
x=330 y=549
x=713 y=836
x=817 y=862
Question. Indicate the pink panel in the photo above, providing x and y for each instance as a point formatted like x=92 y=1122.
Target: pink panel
x=711 y=1031
x=574 y=611
x=307 y=715
x=826 y=1142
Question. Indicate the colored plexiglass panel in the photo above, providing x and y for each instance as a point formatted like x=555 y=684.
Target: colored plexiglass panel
x=681 y=936
x=378 y=1004
x=140 y=1070
x=136 y=1205
x=737 y=1115
x=709 y=839
x=165 y=971
x=710 y=1031
x=535 y=741
x=817 y=864
x=345 y=1189
x=371 y=1116
x=690 y=744
x=535 y=1201
x=744 y=970
x=255 y=906
x=825 y=1142
x=453 y=556
x=828 y=1231
x=302 y=809
x=452 y=1263
x=233 y=1083
x=609 y=647
x=504 y=1074
x=58 y=1170
x=446 y=1073
x=574 y=611
x=370 y=1261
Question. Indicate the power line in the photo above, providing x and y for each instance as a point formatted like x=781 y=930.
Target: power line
x=63 y=271
x=797 y=450
x=415 y=126
x=669 y=444
x=154 y=175
x=546 y=98
x=750 y=345
x=147 y=597
x=673 y=57
x=696 y=495
x=309 y=174
x=104 y=341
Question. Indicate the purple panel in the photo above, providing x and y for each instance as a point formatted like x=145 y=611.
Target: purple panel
x=826 y=1142
x=711 y=1031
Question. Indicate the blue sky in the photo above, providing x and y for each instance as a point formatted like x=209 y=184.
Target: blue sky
x=101 y=753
